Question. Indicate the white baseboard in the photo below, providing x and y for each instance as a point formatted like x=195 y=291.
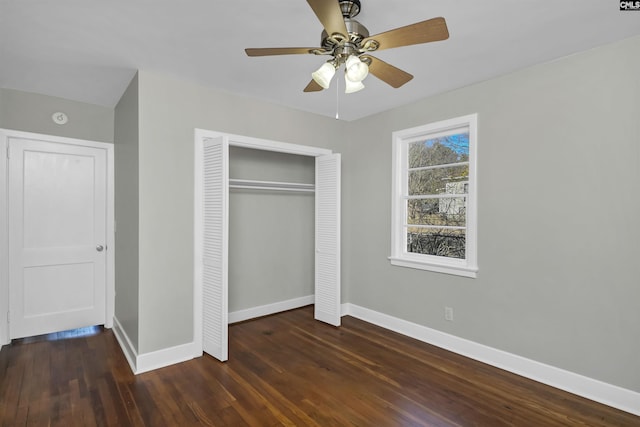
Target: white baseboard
x=265 y=310
x=608 y=394
x=125 y=344
x=145 y=362
x=165 y=357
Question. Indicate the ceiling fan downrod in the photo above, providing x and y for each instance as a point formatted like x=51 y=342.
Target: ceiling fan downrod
x=350 y=8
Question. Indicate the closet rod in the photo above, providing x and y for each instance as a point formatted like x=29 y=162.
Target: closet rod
x=270 y=185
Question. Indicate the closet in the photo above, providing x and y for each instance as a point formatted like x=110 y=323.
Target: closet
x=214 y=186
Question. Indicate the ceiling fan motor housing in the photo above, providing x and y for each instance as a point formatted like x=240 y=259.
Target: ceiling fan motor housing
x=345 y=47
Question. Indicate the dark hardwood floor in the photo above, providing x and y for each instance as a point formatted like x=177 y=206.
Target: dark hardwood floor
x=285 y=369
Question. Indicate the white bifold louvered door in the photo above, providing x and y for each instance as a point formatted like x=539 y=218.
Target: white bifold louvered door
x=327 y=258
x=212 y=235
x=215 y=247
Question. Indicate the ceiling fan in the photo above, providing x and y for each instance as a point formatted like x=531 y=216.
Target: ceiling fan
x=348 y=42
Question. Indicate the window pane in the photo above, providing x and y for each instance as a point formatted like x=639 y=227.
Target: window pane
x=444 y=211
x=439 y=151
x=449 y=180
x=436 y=241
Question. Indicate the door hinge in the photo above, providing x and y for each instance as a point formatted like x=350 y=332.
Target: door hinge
x=8 y=317
x=8 y=151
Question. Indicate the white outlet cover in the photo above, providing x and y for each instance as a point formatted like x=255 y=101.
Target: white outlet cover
x=60 y=118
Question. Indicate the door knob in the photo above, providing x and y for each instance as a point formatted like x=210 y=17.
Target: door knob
x=99 y=248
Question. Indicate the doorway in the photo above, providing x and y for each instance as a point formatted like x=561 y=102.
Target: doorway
x=58 y=200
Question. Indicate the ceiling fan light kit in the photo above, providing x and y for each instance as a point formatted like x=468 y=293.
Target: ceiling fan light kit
x=348 y=42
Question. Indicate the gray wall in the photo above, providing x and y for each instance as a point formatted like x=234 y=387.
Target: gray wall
x=31 y=112
x=169 y=112
x=559 y=162
x=126 y=211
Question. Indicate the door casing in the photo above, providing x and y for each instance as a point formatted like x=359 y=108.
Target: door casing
x=5 y=136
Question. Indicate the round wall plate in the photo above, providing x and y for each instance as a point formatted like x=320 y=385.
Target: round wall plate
x=59 y=118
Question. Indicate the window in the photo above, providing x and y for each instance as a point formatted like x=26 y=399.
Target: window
x=434 y=197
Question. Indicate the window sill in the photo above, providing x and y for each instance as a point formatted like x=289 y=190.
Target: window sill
x=438 y=268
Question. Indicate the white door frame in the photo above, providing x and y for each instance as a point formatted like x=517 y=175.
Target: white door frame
x=5 y=135
x=236 y=141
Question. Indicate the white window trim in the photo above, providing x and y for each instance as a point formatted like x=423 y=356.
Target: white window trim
x=399 y=256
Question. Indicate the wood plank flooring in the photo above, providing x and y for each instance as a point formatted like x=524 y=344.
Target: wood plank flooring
x=284 y=370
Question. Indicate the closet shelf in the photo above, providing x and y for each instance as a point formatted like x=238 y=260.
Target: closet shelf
x=250 y=184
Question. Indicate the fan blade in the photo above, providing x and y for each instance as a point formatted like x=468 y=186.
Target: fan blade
x=387 y=73
x=268 y=51
x=313 y=87
x=427 y=31
x=330 y=16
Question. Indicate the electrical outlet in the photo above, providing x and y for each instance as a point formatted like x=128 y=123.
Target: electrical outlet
x=448 y=314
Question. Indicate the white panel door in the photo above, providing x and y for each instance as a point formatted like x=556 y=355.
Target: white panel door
x=327 y=262
x=57 y=236
x=215 y=247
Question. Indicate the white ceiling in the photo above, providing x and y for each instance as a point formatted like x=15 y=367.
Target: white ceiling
x=88 y=50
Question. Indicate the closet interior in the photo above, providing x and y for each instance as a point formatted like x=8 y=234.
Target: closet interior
x=271 y=228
